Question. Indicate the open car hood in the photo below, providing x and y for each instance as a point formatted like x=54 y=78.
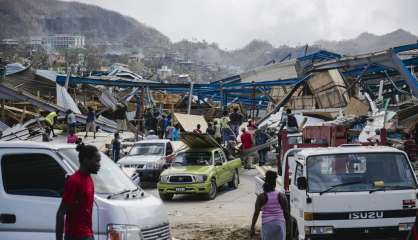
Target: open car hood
x=199 y=140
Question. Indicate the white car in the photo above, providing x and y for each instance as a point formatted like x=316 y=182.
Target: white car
x=31 y=184
x=150 y=158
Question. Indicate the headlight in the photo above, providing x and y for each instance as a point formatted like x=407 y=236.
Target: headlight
x=151 y=165
x=164 y=179
x=200 y=178
x=319 y=230
x=403 y=227
x=123 y=232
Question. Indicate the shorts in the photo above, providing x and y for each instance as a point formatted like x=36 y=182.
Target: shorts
x=91 y=127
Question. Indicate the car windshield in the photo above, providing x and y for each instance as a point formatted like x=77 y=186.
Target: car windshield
x=359 y=172
x=194 y=158
x=109 y=180
x=147 y=149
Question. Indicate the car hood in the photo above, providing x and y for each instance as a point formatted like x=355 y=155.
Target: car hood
x=139 y=159
x=175 y=170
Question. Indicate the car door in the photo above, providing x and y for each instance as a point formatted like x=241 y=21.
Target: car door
x=228 y=168
x=297 y=196
x=219 y=167
x=31 y=186
x=221 y=170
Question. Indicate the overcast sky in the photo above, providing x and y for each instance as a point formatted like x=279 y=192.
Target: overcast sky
x=234 y=23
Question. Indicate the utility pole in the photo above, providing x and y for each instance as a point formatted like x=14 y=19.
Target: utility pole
x=189 y=108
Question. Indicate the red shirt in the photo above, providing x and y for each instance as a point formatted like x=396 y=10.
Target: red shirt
x=79 y=196
x=246 y=140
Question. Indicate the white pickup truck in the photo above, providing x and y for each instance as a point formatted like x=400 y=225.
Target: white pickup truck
x=32 y=177
x=351 y=192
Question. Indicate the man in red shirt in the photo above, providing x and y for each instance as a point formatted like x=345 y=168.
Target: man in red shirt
x=77 y=200
x=247 y=143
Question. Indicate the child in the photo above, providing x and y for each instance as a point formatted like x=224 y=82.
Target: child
x=72 y=137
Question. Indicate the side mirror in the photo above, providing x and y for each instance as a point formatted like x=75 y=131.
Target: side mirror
x=301 y=183
x=218 y=163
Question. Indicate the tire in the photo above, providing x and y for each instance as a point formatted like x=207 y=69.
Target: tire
x=235 y=181
x=166 y=196
x=213 y=190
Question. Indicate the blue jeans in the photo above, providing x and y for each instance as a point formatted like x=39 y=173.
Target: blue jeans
x=235 y=129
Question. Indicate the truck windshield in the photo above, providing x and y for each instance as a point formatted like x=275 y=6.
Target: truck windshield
x=109 y=180
x=359 y=172
x=194 y=158
x=147 y=149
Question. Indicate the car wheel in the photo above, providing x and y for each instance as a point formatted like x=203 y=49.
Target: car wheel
x=213 y=190
x=166 y=196
x=235 y=181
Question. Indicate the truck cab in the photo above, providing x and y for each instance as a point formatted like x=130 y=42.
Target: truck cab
x=32 y=182
x=352 y=192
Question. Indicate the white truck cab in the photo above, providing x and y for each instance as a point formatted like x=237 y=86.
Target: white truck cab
x=352 y=192
x=32 y=177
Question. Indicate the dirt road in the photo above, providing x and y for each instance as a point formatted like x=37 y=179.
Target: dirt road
x=226 y=217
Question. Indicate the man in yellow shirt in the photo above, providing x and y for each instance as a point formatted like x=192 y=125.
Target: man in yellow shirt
x=51 y=119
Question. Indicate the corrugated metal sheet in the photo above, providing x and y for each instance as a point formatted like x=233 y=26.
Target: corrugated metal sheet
x=189 y=122
x=284 y=70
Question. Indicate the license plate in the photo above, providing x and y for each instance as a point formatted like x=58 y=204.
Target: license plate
x=180 y=189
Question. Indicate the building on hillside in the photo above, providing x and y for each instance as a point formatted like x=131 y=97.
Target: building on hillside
x=10 y=42
x=164 y=73
x=62 y=41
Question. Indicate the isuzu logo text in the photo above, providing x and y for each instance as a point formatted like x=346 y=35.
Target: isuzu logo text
x=366 y=215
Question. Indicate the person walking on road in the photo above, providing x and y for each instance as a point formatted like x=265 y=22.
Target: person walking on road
x=71 y=121
x=51 y=119
x=247 y=143
x=225 y=129
x=91 y=122
x=76 y=207
x=274 y=207
x=218 y=133
x=260 y=139
x=176 y=133
x=116 y=147
x=236 y=121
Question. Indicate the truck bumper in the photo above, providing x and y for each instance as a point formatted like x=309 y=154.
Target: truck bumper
x=373 y=233
x=195 y=188
x=149 y=175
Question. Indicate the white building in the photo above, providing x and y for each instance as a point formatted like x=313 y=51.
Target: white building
x=10 y=41
x=59 y=41
x=164 y=72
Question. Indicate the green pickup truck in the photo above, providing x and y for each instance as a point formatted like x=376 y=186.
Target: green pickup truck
x=201 y=169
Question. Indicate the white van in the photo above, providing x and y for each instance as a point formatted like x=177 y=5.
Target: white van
x=31 y=184
x=352 y=192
